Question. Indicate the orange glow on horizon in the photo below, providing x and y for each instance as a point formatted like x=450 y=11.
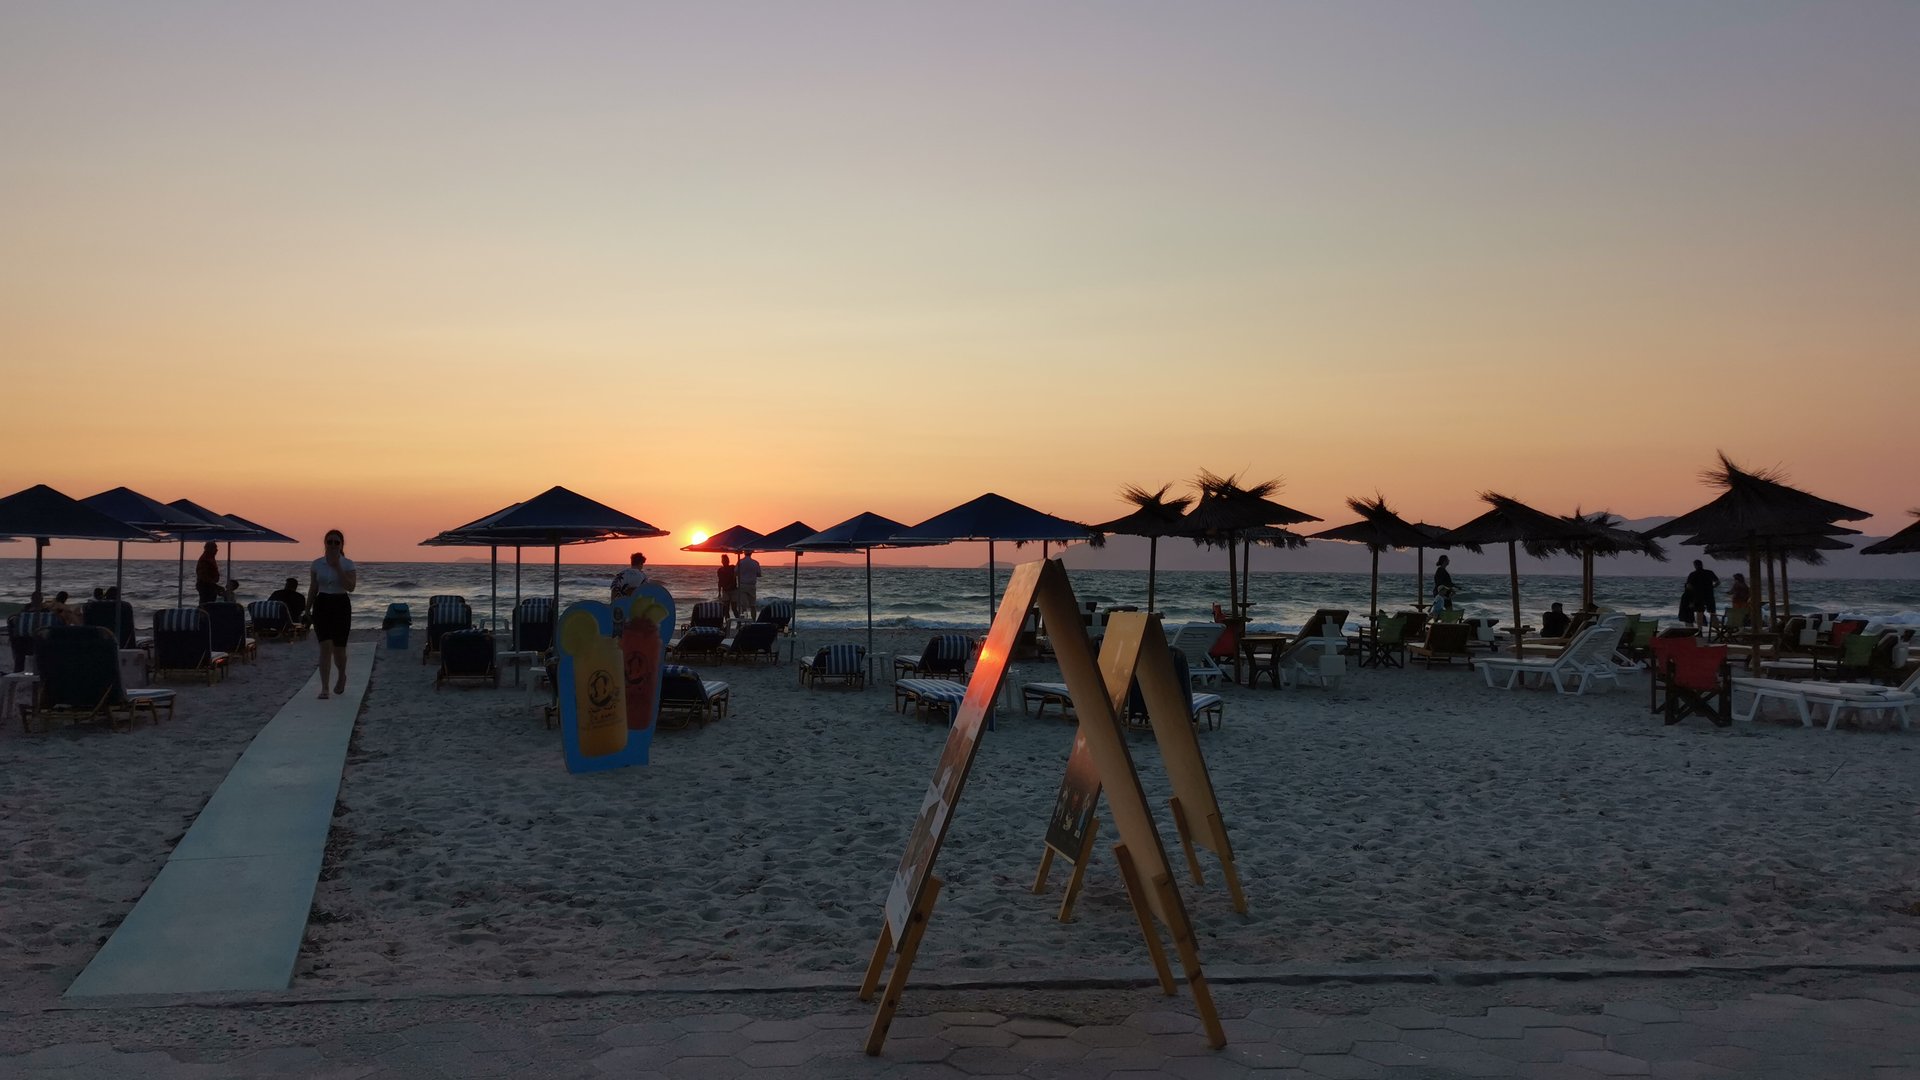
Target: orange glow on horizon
x=698 y=536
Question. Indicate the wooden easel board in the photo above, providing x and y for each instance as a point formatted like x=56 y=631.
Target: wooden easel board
x=1196 y=810
x=1072 y=825
x=1142 y=859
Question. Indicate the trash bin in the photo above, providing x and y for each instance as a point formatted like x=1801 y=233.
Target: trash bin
x=398 y=623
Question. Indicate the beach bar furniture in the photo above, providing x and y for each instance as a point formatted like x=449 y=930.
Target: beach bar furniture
x=1691 y=678
x=835 y=663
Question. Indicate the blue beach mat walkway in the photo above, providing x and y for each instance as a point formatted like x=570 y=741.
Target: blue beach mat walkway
x=229 y=909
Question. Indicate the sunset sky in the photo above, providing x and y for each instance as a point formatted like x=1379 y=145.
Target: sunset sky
x=389 y=267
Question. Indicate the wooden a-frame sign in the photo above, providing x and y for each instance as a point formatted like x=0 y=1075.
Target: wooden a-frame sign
x=1143 y=861
x=1135 y=647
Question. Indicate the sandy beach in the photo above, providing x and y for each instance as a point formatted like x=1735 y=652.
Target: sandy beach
x=1407 y=815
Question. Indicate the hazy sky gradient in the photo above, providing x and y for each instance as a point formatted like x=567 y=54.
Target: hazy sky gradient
x=392 y=266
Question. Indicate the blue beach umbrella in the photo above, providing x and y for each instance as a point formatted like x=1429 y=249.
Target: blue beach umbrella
x=47 y=515
x=992 y=518
x=862 y=533
x=556 y=517
x=212 y=528
x=782 y=539
x=142 y=512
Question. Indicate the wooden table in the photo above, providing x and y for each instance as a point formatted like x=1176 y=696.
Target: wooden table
x=1255 y=647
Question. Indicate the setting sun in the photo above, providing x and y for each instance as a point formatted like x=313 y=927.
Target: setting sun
x=697 y=536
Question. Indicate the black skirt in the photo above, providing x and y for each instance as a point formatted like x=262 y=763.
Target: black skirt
x=332 y=617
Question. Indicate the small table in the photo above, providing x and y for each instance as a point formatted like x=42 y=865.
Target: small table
x=1258 y=647
x=517 y=661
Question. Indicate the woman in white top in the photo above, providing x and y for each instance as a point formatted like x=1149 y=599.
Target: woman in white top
x=334 y=576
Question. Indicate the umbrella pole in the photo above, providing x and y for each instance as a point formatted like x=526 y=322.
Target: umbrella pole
x=869 y=615
x=1586 y=578
x=793 y=613
x=229 y=562
x=1374 y=604
x=1153 y=556
x=1768 y=592
x=180 y=587
x=39 y=547
x=1513 y=578
x=516 y=599
x=1246 y=578
x=990 y=596
x=1753 y=600
x=1786 y=593
x=1420 y=579
x=493 y=586
x=1233 y=580
x=119 y=586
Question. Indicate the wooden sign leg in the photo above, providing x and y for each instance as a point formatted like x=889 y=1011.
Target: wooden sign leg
x=1196 y=979
x=1046 y=864
x=1136 y=892
x=879 y=962
x=1219 y=830
x=897 y=982
x=1079 y=875
x=1186 y=840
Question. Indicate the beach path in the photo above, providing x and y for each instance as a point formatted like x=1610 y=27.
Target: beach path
x=228 y=910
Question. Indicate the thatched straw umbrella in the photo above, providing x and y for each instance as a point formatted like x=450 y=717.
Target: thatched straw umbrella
x=1227 y=512
x=1154 y=516
x=1604 y=536
x=1904 y=542
x=1513 y=523
x=1754 y=507
x=1379 y=528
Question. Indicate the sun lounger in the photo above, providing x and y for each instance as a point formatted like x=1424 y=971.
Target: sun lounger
x=24 y=629
x=533 y=624
x=112 y=615
x=270 y=619
x=1203 y=710
x=1586 y=662
x=708 y=613
x=777 y=612
x=227 y=622
x=1838 y=699
x=945 y=657
x=79 y=676
x=932 y=698
x=753 y=641
x=700 y=642
x=1044 y=694
x=835 y=663
x=1195 y=641
x=1445 y=643
x=444 y=615
x=183 y=645
x=688 y=698
x=467 y=656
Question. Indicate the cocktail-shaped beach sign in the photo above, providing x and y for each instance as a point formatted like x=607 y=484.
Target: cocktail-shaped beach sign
x=610 y=679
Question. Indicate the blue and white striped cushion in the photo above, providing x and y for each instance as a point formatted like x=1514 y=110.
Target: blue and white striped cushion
x=933 y=691
x=179 y=618
x=702 y=637
x=709 y=612
x=776 y=611
x=841 y=660
x=680 y=671
x=952 y=649
x=267 y=611
x=449 y=611
x=32 y=622
x=536 y=609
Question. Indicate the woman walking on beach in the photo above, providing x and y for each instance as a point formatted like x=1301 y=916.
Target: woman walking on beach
x=334 y=576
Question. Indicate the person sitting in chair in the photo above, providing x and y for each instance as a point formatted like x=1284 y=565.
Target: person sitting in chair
x=1554 y=623
x=289 y=594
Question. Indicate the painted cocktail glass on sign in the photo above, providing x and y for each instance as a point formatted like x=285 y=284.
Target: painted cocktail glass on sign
x=643 y=619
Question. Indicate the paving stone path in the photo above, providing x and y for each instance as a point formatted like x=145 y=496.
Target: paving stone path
x=1870 y=1031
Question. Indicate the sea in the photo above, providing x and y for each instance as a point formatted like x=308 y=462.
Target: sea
x=932 y=598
